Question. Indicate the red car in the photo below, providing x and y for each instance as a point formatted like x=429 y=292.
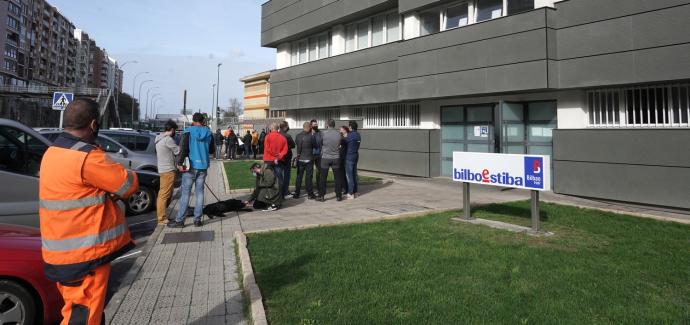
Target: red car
x=26 y=296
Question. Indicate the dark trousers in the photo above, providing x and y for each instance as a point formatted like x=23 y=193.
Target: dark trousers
x=260 y=205
x=317 y=164
x=303 y=167
x=343 y=177
x=351 y=176
x=287 y=171
x=325 y=165
x=254 y=150
x=280 y=174
x=231 y=150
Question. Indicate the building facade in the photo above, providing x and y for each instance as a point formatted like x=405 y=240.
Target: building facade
x=257 y=92
x=600 y=85
x=43 y=48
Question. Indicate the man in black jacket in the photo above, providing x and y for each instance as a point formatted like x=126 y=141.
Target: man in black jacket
x=247 y=139
x=305 y=161
x=287 y=160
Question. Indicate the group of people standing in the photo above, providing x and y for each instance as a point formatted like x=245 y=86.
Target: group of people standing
x=250 y=144
x=332 y=149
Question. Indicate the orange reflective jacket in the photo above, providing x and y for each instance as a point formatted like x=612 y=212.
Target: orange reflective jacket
x=81 y=225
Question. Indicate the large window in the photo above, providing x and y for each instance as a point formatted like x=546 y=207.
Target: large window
x=392 y=27
x=311 y=49
x=645 y=106
x=429 y=22
x=489 y=9
x=20 y=152
x=363 y=35
x=518 y=6
x=12 y=22
x=456 y=16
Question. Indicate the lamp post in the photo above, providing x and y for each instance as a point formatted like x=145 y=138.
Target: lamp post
x=213 y=97
x=146 y=116
x=155 y=108
x=119 y=91
x=134 y=86
x=139 y=96
x=218 y=85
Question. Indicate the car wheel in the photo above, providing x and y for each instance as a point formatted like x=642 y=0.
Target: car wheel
x=141 y=201
x=17 y=305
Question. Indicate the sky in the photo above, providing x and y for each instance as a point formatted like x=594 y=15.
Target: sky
x=179 y=43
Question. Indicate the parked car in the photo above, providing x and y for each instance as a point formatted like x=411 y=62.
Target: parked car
x=137 y=141
x=21 y=151
x=26 y=295
x=118 y=152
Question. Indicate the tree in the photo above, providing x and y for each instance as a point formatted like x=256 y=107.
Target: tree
x=124 y=108
x=234 y=108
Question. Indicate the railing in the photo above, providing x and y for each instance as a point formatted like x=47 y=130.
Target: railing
x=93 y=92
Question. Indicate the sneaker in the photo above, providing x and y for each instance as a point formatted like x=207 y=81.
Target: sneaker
x=311 y=197
x=175 y=224
x=273 y=207
x=198 y=223
x=349 y=197
x=295 y=196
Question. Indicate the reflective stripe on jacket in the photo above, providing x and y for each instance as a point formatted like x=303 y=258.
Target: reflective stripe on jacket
x=81 y=225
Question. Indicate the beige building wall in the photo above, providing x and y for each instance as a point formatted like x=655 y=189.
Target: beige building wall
x=257 y=93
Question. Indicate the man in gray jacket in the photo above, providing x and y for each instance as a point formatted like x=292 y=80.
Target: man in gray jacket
x=330 y=158
x=305 y=161
x=166 y=150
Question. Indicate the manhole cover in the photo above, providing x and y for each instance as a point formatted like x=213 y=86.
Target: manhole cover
x=187 y=237
x=399 y=209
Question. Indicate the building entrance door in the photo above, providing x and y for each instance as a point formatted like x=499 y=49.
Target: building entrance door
x=466 y=128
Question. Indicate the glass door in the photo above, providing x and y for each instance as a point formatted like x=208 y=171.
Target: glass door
x=467 y=129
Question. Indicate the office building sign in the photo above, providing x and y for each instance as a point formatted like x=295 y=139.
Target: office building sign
x=530 y=172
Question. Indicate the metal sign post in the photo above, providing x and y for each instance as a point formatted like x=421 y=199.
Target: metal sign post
x=466 y=200
x=60 y=102
x=535 y=211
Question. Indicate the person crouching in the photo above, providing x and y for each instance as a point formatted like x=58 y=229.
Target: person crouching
x=267 y=192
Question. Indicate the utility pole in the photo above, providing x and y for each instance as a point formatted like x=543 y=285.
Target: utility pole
x=134 y=86
x=218 y=89
x=146 y=117
x=139 y=96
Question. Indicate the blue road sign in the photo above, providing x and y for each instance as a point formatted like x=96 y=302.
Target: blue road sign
x=61 y=100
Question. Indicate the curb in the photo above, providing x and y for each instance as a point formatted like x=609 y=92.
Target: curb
x=629 y=213
x=250 y=287
x=119 y=296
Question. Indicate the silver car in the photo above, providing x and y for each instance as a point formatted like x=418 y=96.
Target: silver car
x=119 y=153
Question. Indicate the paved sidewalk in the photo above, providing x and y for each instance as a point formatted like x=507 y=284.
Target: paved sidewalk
x=186 y=283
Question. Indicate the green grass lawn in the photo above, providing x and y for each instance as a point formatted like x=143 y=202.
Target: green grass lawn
x=599 y=268
x=239 y=176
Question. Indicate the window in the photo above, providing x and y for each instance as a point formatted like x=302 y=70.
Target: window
x=362 y=35
x=13 y=8
x=391 y=116
x=323 y=47
x=12 y=22
x=277 y=114
x=313 y=49
x=302 y=51
x=10 y=51
x=350 y=34
x=20 y=152
x=518 y=6
x=294 y=54
x=647 y=106
x=457 y=16
x=392 y=27
x=429 y=22
x=108 y=145
x=10 y=65
x=377 y=25
x=489 y=9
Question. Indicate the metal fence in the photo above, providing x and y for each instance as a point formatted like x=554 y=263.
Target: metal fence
x=83 y=91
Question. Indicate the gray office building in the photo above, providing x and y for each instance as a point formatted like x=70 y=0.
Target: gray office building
x=601 y=85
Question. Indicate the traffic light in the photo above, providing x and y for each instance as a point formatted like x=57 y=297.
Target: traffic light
x=218 y=112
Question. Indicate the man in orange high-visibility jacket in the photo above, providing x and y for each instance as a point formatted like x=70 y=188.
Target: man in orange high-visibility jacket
x=82 y=228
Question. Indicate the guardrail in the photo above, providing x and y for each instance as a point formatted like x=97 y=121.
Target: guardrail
x=82 y=91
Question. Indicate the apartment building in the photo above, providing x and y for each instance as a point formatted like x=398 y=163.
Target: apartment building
x=601 y=85
x=43 y=48
x=257 y=92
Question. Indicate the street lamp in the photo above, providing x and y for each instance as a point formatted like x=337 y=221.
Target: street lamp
x=146 y=116
x=139 y=96
x=134 y=86
x=155 y=109
x=218 y=85
x=213 y=99
x=124 y=64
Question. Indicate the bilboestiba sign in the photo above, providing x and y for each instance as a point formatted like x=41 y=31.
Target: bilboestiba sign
x=530 y=172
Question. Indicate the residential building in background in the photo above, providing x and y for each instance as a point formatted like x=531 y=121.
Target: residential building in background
x=43 y=48
x=601 y=85
x=257 y=91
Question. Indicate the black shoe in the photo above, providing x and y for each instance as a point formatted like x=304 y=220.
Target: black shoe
x=210 y=216
x=296 y=196
x=321 y=199
x=311 y=197
x=198 y=223
x=339 y=198
x=175 y=224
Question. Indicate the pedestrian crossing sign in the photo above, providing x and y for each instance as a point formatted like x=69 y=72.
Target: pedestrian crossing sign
x=61 y=100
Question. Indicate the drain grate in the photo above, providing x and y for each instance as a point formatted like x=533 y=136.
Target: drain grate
x=187 y=237
x=399 y=209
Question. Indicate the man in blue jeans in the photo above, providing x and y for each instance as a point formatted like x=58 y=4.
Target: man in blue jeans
x=197 y=145
x=353 y=141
